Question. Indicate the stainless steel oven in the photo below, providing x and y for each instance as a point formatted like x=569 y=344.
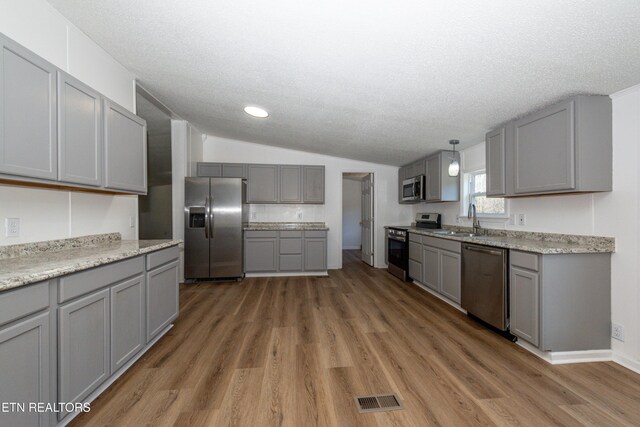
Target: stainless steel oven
x=398 y=252
x=413 y=189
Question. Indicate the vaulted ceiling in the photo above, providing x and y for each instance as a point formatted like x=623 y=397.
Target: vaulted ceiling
x=373 y=80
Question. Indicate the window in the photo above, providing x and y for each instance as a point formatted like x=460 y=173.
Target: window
x=477 y=194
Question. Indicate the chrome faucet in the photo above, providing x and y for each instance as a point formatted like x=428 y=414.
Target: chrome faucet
x=471 y=214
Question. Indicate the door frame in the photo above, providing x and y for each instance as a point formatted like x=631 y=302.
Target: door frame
x=375 y=213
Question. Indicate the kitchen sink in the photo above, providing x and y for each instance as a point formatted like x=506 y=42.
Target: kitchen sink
x=453 y=233
x=444 y=232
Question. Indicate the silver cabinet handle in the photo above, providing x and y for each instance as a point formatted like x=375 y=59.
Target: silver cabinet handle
x=484 y=251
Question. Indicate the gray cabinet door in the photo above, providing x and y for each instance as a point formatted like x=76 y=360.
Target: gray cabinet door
x=28 y=137
x=262 y=186
x=315 y=254
x=401 y=177
x=419 y=168
x=25 y=376
x=162 y=298
x=260 y=255
x=433 y=178
x=127 y=321
x=79 y=132
x=290 y=184
x=234 y=170
x=524 y=307
x=125 y=146
x=495 y=150
x=290 y=262
x=450 y=267
x=211 y=170
x=544 y=150
x=430 y=267
x=313 y=179
x=83 y=348
x=415 y=270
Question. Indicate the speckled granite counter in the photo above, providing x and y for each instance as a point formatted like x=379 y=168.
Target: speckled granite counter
x=542 y=243
x=275 y=226
x=34 y=262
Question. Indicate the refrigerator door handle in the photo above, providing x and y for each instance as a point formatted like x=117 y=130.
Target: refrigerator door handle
x=211 y=217
x=206 y=217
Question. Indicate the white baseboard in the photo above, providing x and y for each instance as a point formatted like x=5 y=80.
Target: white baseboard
x=292 y=274
x=350 y=248
x=564 y=357
x=437 y=295
x=631 y=364
x=113 y=378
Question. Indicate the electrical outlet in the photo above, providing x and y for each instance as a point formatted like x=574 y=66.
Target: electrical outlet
x=522 y=219
x=617 y=332
x=12 y=227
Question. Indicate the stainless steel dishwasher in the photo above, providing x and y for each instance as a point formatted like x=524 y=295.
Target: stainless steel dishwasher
x=484 y=284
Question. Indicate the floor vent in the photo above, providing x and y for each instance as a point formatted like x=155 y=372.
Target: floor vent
x=378 y=403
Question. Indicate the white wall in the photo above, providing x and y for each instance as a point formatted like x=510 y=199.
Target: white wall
x=351 y=213
x=52 y=214
x=613 y=214
x=385 y=189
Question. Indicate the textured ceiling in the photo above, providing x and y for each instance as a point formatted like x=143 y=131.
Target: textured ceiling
x=372 y=80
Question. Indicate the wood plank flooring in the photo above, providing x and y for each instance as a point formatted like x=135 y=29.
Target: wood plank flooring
x=295 y=351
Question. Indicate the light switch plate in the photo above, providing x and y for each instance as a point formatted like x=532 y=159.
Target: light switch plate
x=12 y=227
x=522 y=219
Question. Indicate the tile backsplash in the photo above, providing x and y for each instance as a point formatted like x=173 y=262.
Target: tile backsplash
x=286 y=213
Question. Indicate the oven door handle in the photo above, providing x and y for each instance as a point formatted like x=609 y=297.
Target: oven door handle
x=398 y=239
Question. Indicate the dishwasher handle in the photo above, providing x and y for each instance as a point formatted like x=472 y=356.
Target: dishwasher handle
x=483 y=250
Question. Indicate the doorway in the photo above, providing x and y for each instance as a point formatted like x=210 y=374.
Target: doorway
x=357 y=215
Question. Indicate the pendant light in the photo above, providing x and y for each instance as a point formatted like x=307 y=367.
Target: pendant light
x=454 y=166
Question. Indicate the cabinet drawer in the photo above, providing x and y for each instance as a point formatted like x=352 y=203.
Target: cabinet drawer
x=290 y=234
x=82 y=283
x=163 y=256
x=290 y=246
x=260 y=234
x=447 y=245
x=413 y=237
x=415 y=251
x=23 y=301
x=415 y=270
x=524 y=259
x=315 y=233
x=290 y=262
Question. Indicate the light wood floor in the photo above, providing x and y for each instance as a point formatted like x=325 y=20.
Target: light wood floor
x=294 y=352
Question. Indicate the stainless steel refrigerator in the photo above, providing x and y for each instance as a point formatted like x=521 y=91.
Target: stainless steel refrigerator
x=215 y=213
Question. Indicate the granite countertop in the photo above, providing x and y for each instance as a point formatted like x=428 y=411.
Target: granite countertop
x=30 y=263
x=542 y=243
x=268 y=226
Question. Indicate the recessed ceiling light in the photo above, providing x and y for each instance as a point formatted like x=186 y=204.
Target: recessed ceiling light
x=256 y=112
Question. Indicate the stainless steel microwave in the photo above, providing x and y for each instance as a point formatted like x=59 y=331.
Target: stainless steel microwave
x=413 y=189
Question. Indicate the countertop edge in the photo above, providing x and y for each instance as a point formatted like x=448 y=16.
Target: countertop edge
x=23 y=280
x=526 y=247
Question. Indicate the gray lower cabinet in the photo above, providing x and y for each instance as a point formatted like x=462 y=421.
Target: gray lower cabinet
x=315 y=254
x=79 y=132
x=291 y=251
x=415 y=257
x=125 y=149
x=561 y=302
x=450 y=268
x=28 y=137
x=313 y=181
x=127 y=321
x=162 y=298
x=290 y=184
x=261 y=252
x=430 y=267
x=83 y=346
x=437 y=264
x=262 y=183
x=25 y=376
x=564 y=148
x=524 y=305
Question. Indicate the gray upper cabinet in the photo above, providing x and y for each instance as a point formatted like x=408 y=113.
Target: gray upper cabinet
x=290 y=184
x=162 y=298
x=127 y=321
x=234 y=170
x=433 y=190
x=262 y=186
x=212 y=170
x=125 y=148
x=495 y=149
x=563 y=148
x=83 y=349
x=313 y=179
x=222 y=170
x=25 y=374
x=79 y=132
x=440 y=186
x=28 y=128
